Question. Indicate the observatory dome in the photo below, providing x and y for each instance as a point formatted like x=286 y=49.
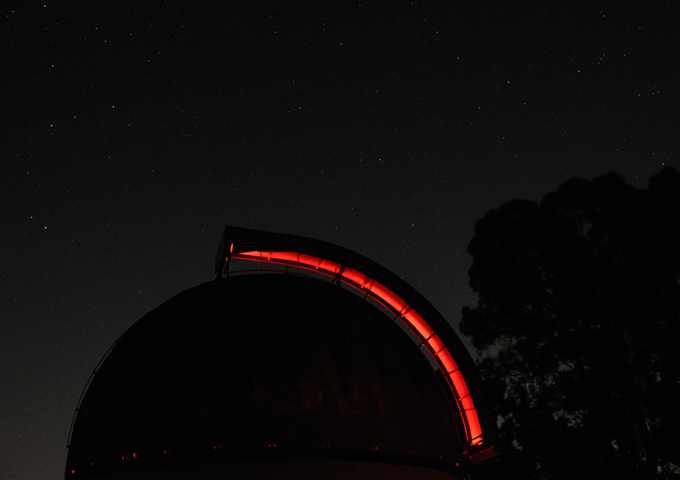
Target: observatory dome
x=265 y=375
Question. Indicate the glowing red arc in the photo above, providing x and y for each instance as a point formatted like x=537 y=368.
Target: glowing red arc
x=389 y=299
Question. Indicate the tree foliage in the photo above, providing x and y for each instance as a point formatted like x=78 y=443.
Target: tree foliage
x=577 y=324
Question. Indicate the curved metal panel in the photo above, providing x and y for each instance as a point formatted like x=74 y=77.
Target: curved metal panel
x=346 y=267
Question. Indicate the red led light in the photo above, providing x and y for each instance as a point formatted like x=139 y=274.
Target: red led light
x=392 y=301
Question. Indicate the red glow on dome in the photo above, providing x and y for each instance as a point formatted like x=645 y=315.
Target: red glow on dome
x=390 y=300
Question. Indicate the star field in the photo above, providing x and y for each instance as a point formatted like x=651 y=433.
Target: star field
x=132 y=134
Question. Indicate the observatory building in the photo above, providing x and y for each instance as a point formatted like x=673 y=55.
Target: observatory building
x=300 y=360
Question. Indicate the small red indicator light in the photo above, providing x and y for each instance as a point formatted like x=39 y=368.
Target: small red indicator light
x=134 y=455
x=73 y=471
x=375 y=448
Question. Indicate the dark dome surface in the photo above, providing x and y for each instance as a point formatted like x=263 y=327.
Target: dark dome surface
x=262 y=367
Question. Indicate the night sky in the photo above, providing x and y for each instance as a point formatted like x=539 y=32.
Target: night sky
x=133 y=133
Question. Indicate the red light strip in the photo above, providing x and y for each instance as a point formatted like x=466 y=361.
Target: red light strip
x=392 y=301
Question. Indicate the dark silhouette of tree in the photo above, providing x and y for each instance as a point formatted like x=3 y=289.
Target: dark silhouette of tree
x=578 y=327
